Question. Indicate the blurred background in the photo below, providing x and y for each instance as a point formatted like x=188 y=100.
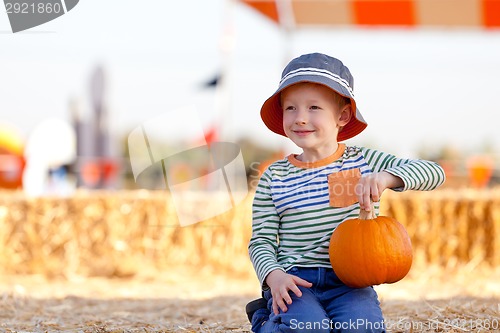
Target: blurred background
x=72 y=91
x=74 y=88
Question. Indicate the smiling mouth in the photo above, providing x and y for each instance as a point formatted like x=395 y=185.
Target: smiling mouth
x=302 y=133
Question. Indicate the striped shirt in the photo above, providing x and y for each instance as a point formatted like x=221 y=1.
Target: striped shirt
x=292 y=217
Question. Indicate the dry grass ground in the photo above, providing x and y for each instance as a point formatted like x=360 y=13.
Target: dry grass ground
x=185 y=300
x=118 y=262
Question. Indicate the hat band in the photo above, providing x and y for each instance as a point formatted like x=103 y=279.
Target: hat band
x=315 y=71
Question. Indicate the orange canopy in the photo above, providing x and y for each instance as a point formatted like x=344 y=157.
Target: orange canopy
x=402 y=13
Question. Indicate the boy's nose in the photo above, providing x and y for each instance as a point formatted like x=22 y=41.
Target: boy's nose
x=301 y=118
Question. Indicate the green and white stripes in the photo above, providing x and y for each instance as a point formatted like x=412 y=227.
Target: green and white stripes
x=292 y=216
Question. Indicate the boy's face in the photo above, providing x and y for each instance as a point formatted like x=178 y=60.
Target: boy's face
x=312 y=118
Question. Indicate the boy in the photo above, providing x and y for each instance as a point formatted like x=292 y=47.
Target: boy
x=298 y=202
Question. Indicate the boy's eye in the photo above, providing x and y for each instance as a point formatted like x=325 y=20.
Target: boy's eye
x=315 y=107
x=289 y=108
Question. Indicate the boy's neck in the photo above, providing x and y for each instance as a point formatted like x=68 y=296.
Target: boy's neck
x=314 y=155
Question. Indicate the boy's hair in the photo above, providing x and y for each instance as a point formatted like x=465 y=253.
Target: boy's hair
x=341 y=100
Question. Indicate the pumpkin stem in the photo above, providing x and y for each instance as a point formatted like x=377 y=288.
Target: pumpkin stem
x=365 y=215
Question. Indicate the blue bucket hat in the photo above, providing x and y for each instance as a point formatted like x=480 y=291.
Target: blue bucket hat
x=314 y=68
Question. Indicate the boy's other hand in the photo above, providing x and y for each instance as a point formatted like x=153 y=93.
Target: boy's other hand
x=370 y=187
x=280 y=283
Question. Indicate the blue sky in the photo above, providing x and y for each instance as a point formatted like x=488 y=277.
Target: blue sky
x=416 y=88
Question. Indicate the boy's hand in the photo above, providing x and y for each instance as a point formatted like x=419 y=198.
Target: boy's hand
x=372 y=186
x=280 y=283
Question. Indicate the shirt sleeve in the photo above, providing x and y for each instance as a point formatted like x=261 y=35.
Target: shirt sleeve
x=420 y=175
x=263 y=245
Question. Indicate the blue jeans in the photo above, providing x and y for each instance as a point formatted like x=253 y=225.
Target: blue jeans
x=328 y=306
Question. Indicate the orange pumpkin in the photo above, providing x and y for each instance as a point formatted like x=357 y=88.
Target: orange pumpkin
x=370 y=250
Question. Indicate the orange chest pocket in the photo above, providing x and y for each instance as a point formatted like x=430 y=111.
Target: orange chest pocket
x=342 y=187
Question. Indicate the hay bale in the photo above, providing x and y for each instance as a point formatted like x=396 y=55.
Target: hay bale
x=124 y=233
x=449 y=227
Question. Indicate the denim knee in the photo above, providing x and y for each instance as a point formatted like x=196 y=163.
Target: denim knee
x=363 y=317
x=354 y=310
x=304 y=315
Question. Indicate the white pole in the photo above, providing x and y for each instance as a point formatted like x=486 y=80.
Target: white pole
x=223 y=88
x=286 y=20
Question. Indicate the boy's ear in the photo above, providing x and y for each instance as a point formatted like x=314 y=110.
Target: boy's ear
x=345 y=115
